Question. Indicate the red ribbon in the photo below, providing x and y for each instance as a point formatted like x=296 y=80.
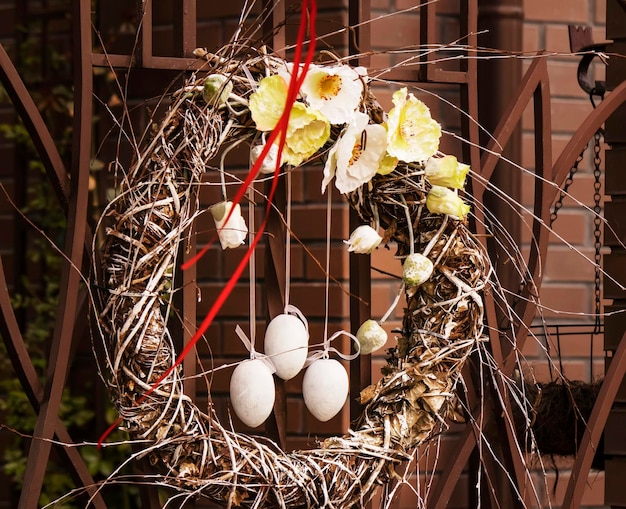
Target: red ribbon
x=280 y=133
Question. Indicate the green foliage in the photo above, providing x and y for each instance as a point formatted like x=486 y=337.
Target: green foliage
x=37 y=300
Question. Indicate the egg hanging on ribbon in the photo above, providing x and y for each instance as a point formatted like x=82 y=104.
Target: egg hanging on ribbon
x=252 y=392
x=325 y=388
x=286 y=344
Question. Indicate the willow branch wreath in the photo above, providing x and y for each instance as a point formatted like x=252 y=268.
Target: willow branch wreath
x=389 y=168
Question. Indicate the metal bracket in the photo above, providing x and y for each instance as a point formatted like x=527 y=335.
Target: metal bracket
x=581 y=41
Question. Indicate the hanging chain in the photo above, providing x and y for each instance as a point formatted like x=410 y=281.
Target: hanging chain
x=597 y=227
x=568 y=182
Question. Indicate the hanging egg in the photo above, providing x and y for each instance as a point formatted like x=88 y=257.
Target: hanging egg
x=252 y=392
x=325 y=388
x=286 y=344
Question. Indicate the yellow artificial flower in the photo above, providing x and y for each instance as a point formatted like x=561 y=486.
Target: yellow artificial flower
x=268 y=102
x=412 y=135
x=441 y=200
x=335 y=91
x=446 y=171
x=355 y=158
x=387 y=164
x=307 y=132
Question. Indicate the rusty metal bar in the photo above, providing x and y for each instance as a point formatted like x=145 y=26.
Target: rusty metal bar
x=184 y=27
x=274 y=25
x=144 y=53
x=27 y=375
x=154 y=62
x=430 y=70
x=535 y=79
x=608 y=391
x=274 y=271
x=71 y=278
x=359 y=264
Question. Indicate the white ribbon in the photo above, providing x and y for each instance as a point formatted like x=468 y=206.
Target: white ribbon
x=293 y=310
x=253 y=353
x=324 y=354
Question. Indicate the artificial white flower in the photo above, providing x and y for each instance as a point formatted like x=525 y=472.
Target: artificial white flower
x=416 y=269
x=446 y=171
x=335 y=91
x=441 y=200
x=355 y=158
x=363 y=240
x=232 y=232
x=269 y=163
x=412 y=134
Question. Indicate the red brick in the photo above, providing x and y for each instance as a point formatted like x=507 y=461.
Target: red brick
x=315 y=262
x=563 y=79
x=382 y=298
x=568 y=115
x=384 y=259
x=310 y=299
x=572 y=370
x=599 y=12
x=531 y=37
x=379 y=4
x=564 y=264
x=581 y=191
x=236 y=304
x=572 y=11
x=557 y=39
x=564 y=300
x=399 y=30
x=309 y=223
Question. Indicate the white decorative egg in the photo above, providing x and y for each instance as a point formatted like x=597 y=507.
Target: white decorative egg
x=286 y=344
x=325 y=388
x=252 y=392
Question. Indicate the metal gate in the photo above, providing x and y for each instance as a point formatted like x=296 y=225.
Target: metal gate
x=72 y=194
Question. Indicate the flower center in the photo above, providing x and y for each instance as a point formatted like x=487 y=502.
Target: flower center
x=329 y=86
x=357 y=150
x=408 y=130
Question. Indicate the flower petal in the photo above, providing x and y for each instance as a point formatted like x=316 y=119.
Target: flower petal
x=441 y=200
x=363 y=240
x=232 y=232
x=335 y=91
x=413 y=135
x=268 y=102
x=359 y=151
x=307 y=132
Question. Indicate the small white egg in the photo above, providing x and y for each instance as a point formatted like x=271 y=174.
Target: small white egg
x=252 y=392
x=286 y=344
x=325 y=388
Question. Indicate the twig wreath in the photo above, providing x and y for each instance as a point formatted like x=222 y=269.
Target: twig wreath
x=388 y=166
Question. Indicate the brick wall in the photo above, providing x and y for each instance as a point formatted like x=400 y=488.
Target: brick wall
x=568 y=283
